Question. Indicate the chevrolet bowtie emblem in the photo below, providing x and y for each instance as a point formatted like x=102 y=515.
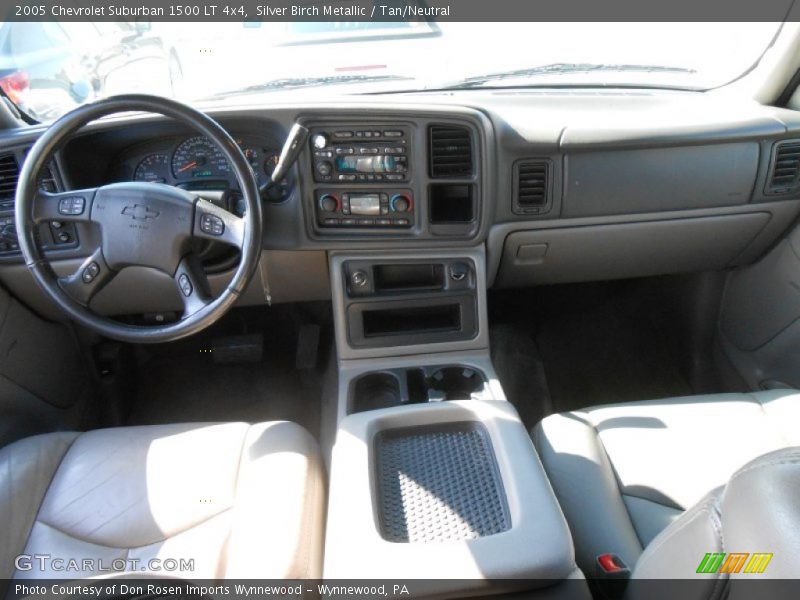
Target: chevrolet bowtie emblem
x=140 y=212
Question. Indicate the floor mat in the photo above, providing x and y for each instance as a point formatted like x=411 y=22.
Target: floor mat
x=606 y=355
x=561 y=348
x=180 y=382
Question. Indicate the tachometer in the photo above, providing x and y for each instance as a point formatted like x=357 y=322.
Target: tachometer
x=153 y=168
x=198 y=157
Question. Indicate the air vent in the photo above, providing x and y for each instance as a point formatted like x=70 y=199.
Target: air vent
x=531 y=186
x=9 y=173
x=450 y=151
x=785 y=168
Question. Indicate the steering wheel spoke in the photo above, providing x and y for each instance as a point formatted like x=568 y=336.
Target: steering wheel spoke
x=74 y=206
x=217 y=224
x=193 y=286
x=92 y=276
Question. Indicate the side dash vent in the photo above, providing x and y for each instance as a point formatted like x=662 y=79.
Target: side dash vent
x=785 y=168
x=9 y=175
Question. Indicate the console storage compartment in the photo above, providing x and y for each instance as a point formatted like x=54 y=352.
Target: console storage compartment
x=452 y=492
x=409 y=303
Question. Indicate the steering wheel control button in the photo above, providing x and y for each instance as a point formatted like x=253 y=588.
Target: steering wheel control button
x=185 y=285
x=89 y=273
x=212 y=224
x=71 y=206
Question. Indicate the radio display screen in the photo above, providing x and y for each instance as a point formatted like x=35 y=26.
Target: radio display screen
x=365 y=204
x=366 y=164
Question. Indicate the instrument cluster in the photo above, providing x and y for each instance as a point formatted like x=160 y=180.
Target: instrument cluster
x=196 y=163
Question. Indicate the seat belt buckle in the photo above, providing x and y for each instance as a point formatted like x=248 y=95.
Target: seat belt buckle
x=612 y=576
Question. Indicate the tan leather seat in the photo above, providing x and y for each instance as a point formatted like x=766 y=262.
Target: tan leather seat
x=623 y=473
x=240 y=500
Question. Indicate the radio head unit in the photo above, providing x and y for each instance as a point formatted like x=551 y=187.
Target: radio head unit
x=357 y=155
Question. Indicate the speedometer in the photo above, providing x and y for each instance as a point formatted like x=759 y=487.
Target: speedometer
x=153 y=168
x=198 y=157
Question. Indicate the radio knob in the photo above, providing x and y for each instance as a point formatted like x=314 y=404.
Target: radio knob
x=400 y=203
x=324 y=168
x=320 y=141
x=328 y=203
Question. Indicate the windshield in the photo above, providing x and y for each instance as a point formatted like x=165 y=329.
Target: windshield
x=49 y=68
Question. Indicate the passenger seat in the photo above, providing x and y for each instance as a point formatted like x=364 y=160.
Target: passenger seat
x=623 y=473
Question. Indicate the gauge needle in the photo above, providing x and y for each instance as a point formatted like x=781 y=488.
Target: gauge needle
x=187 y=166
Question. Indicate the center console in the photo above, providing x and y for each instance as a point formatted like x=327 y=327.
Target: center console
x=433 y=477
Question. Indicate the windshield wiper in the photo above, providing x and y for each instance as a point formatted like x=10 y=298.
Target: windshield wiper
x=563 y=68
x=301 y=82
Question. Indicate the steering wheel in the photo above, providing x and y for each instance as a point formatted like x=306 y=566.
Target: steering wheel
x=141 y=224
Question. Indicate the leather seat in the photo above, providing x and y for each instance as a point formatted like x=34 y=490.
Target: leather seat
x=623 y=473
x=240 y=500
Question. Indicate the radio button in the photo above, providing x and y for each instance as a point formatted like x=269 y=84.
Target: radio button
x=343 y=134
x=347 y=177
x=392 y=133
x=320 y=141
x=330 y=222
x=348 y=221
x=324 y=168
x=366 y=222
x=402 y=222
x=383 y=221
x=392 y=177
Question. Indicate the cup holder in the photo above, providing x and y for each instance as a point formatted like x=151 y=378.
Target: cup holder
x=415 y=385
x=454 y=383
x=376 y=390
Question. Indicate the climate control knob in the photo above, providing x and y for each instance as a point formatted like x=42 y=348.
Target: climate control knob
x=400 y=203
x=328 y=203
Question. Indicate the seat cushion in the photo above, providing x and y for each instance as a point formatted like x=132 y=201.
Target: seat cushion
x=623 y=472
x=239 y=500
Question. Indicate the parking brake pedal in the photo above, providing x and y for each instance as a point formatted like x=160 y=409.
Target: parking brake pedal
x=238 y=349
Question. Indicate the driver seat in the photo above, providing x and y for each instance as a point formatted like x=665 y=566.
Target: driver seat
x=239 y=500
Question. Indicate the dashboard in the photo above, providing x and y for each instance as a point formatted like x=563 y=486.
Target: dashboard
x=555 y=185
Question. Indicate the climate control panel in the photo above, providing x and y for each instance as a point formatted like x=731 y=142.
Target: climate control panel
x=384 y=208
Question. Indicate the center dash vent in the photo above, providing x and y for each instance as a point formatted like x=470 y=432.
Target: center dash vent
x=9 y=174
x=450 y=150
x=785 y=168
x=531 y=186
